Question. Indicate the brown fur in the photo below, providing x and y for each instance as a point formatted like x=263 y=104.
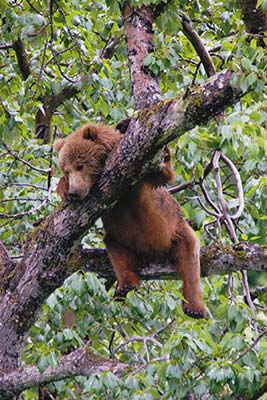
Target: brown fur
x=147 y=221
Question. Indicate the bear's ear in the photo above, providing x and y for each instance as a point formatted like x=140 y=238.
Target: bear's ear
x=59 y=143
x=123 y=125
x=89 y=132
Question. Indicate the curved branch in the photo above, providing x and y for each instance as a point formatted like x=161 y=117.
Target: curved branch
x=13 y=154
x=198 y=45
x=79 y=362
x=239 y=186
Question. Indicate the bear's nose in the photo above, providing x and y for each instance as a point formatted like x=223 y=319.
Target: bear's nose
x=73 y=196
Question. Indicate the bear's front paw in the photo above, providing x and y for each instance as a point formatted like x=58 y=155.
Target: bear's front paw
x=121 y=292
x=193 y=311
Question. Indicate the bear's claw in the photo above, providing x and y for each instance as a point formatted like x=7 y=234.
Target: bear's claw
x=121 y=293
x=194 y=313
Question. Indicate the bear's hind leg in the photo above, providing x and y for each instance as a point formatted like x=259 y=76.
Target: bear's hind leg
x=186 y=255
x=123 y=262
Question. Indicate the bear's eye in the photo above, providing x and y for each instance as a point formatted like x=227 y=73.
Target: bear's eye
x=79 y=167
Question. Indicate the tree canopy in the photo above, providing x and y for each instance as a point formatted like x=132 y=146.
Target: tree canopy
x=188 y=74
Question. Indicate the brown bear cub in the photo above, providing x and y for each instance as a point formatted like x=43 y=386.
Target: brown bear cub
x=147 y=222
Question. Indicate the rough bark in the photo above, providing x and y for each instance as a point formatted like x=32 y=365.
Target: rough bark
x=79 y=362
x=138 y=24
x=215 y=259
x=7 y=268
x=254 y=18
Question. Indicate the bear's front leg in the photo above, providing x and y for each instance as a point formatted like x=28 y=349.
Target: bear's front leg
x=186 y=255
x=123 y=263
x=63 y=188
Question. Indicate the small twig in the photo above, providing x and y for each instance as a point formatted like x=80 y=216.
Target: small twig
x=253 y=344
x=238 y=186
x=261 y=392
x=19 y=199
x=46 y=171
x=212 y=224
x=250 y=303
x=50 y=6
x=18 y=256
x=217 y=216
x=29 y=185
x=34 y=9
x=217 y=213
x=216 y=48
x=23 y=185
x=6 y=46
x=222 y=203
x=22 y=214
x=182 y=186
x=195 y=74
x=111 y=43
x=230 y=285
x=66 y=77
x=69 y=31
x=36 y=33
x=143 y=339
x=59 y=53
x=42 y=63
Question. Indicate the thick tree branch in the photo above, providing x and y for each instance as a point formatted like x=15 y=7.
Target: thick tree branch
x=79 y=362
x=138 y=23
x=215 y=259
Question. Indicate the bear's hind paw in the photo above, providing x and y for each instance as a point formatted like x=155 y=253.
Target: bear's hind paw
x=194 y=313
x=121 y=292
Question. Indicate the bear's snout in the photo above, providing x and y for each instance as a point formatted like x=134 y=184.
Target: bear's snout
x=73 y=196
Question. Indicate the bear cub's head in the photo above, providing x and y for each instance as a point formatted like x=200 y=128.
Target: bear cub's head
x=82 y=156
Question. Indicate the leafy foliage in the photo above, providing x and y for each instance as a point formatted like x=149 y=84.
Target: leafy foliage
x=80 y=44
